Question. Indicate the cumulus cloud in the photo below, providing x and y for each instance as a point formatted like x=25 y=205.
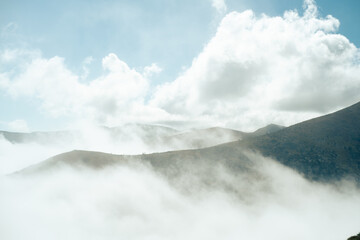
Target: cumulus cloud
x=117 y=95
x=256 y=70
x=261 y=69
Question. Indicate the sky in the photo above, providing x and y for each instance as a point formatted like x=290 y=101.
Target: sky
x=238 y=64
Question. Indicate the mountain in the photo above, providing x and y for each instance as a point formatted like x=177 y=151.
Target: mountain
x=322 y=149
x=357 y=237
x=155 y=136
x=125 y=132
x=55 y=137
x=201 y=138
x=146 y=131
x=271 y=128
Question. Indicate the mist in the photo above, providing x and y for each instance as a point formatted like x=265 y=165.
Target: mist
x=127 y=139
x=136 y=201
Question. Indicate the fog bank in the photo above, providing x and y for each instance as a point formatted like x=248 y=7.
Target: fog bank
x=135 y=202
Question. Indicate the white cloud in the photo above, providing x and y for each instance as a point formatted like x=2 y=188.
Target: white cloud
x=257 y=70
x=87 y=61
x=151 y=70
x=117 y=95
x=219 y=5
x=310 y=7
x=9 y=29
x=18 y=125
x=254 y=71
x=134 y=202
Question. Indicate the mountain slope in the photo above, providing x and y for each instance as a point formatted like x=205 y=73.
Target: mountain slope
x=271 y=128
x=201 y=138
x=323 y=148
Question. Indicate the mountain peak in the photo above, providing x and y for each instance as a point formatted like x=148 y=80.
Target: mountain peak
x=267 y=129
x=322 y=148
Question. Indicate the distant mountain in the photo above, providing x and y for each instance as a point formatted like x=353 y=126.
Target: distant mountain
x=149 y=134
x=155 y=136
x=55 y=137
x=126 y=132
x=169 y=163
x=201 y=138
x=190 y=170
x=323 y=148
x=145 y=130
x=271 y=128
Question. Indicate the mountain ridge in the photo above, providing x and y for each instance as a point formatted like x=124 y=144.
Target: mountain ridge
x=322 y=149
x=152 y=135
x=326 y=147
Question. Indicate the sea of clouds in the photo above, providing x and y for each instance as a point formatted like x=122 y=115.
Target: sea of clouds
x=135 y=201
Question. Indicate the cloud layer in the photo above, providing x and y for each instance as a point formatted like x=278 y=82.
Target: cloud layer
x=134 y=202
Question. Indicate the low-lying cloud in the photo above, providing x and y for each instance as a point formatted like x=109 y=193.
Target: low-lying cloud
x=24 y=149
x=125 y=140
x=135 y=202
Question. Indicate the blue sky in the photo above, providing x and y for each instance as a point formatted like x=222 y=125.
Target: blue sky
x=169 y=34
